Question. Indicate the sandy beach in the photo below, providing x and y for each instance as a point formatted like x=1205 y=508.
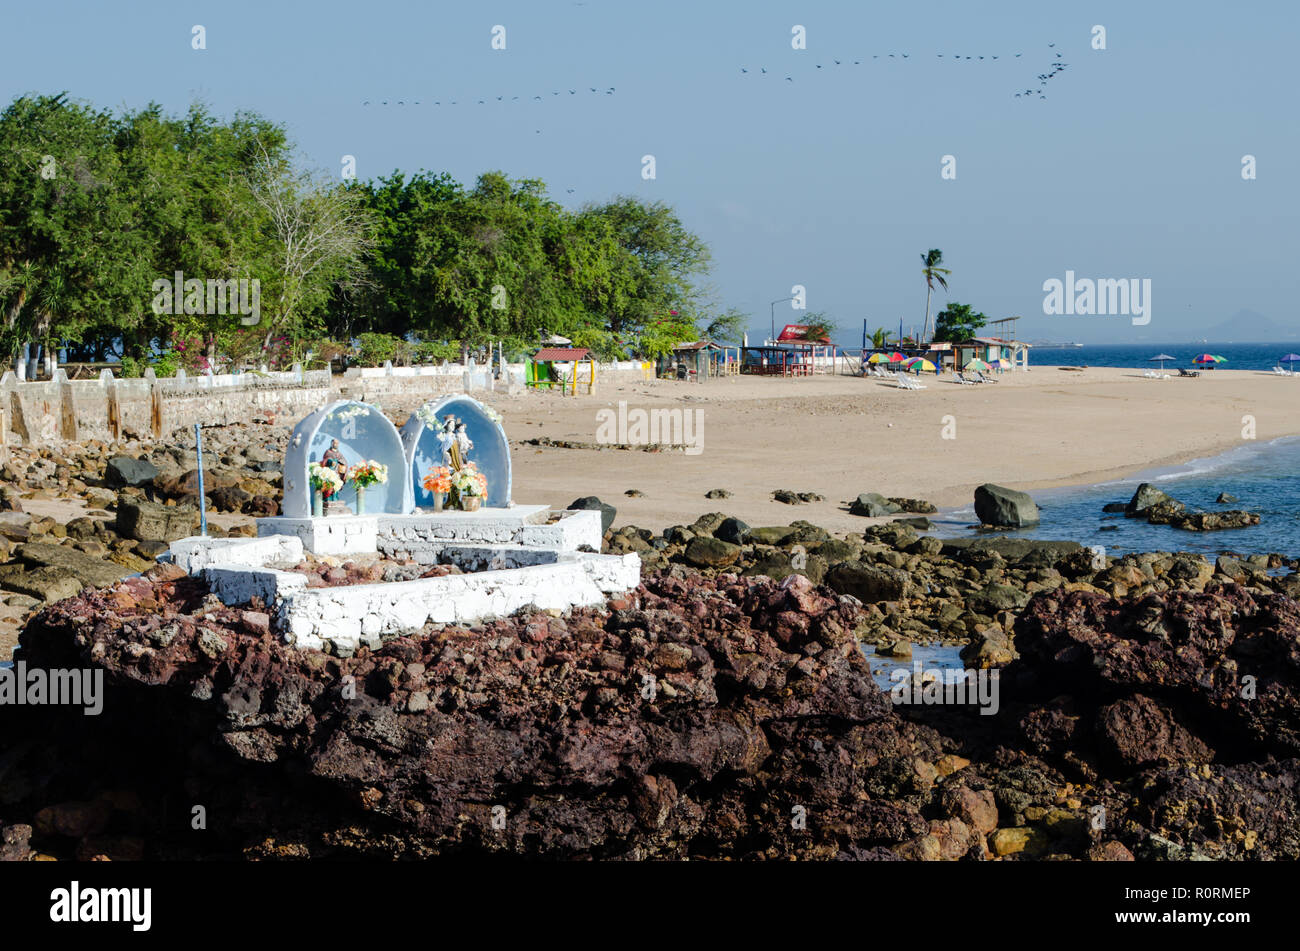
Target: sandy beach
x=841 y=436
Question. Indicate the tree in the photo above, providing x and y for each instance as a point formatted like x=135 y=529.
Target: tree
x=933 y=274
x=880 y=337
x=318 y=234
x=727 y=327
x=956 y=322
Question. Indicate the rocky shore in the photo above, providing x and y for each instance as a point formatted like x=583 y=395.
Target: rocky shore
x=725 y=709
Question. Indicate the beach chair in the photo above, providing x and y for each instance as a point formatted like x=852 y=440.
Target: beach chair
x=981 y=378
x=1188 y=373
x=961 y=378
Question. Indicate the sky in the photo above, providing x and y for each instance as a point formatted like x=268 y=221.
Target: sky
x=832 y=179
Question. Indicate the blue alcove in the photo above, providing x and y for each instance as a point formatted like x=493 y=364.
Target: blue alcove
x=363 y=432
x=491 y=452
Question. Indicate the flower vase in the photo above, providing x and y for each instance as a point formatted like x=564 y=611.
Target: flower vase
x=361 y=500
x=453 y=498
x=470 y=503
x=317 y=503
x=439 y=500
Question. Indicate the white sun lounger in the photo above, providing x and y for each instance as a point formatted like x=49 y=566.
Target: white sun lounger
x=907 y=383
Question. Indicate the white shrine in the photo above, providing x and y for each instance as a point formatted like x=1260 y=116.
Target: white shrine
x=513 y=556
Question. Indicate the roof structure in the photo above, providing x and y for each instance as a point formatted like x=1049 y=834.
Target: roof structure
x=560 y=354
x=798 y=333
x=696 y=345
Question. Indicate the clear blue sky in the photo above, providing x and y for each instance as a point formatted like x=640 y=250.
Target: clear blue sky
x=1130 y=168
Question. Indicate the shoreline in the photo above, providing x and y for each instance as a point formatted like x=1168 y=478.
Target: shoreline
x=860 y=436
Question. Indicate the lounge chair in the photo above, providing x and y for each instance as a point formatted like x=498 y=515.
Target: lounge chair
x=981 y=378
x=961 y=378
x=907 y=383
x=1182 y=372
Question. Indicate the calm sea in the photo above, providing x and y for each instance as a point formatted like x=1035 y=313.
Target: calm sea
x=1263 y=477
x=1240 y=356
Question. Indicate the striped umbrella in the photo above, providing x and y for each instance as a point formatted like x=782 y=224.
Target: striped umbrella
x=896 y=357
x=976 y=364
x=878 y=358
x=920 y=363
x=1210 y=358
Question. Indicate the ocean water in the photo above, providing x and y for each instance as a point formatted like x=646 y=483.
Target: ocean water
x=1240 y=356
x=1264 y=476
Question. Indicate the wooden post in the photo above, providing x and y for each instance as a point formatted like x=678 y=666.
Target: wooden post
x=155 y=404
x=113 y=409
x=67 y=407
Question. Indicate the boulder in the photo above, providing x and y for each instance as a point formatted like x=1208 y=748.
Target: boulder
x=1225 y=498
x=706 y=552
x=916 y=506
x=873 y=505
x=732 y=530
x=150 y=521
x=870 y=583
x=1146 y=496
x=125 y=470
x=90 y=570
x=1004 y=508
x=591 y=503
x=770 y=534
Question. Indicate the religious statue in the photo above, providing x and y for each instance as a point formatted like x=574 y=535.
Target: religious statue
x=446 y=437
x=333 y=458
x=463 y=443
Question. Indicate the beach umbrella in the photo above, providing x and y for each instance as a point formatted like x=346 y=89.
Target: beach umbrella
x=878 y=358
x=1210 y=358
x=976 y=364
x=1162 y=357
x=896 y=357
x=919 y=362
x=1290 y=358
x=1001 y=364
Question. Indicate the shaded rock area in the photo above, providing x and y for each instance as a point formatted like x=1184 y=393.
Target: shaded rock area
x=709 y=714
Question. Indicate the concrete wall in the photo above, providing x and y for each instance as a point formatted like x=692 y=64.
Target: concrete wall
x=107 y=408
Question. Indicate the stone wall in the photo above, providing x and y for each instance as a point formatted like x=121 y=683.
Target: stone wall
x=42 y=412
x=47 y=411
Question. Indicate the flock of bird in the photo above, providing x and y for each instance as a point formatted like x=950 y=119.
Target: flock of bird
x=1055 y=68
x=482 y=102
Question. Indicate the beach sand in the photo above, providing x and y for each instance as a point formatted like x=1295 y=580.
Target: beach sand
x=841 y=436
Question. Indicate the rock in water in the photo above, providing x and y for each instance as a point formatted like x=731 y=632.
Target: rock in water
x=125 y=470
x=1146 y=496
x=589 y=503
x=873 y=505
x=1225 y=497
x=1005 y=508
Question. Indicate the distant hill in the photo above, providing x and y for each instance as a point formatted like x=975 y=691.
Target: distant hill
x=1248 y=326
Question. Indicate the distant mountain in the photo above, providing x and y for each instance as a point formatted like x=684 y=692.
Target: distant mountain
x=1248 y=326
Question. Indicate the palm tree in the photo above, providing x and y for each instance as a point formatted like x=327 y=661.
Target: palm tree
x=879 y=337
x=933 y=274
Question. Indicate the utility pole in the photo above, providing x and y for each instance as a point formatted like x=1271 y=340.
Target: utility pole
x=772 y=308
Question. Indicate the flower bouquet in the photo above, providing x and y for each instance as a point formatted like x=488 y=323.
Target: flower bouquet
x=324 y=482
x=470 y=486
x=367 y=473
x=438 y=483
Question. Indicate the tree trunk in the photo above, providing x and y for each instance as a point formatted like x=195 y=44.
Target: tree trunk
x=925 y=329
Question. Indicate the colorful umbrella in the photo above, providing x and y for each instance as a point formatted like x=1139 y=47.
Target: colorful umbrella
x=896 y=357
x=878 y=358
x=1210 y=358
x=1001 y=364
x=919 y=362
x=976 y=364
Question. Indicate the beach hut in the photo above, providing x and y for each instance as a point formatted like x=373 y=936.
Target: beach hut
x=565 y=367
x=688 y=361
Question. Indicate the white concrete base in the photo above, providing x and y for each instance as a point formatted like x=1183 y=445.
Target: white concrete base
x=346 y=617
x=198 y=552
x=327 y=535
